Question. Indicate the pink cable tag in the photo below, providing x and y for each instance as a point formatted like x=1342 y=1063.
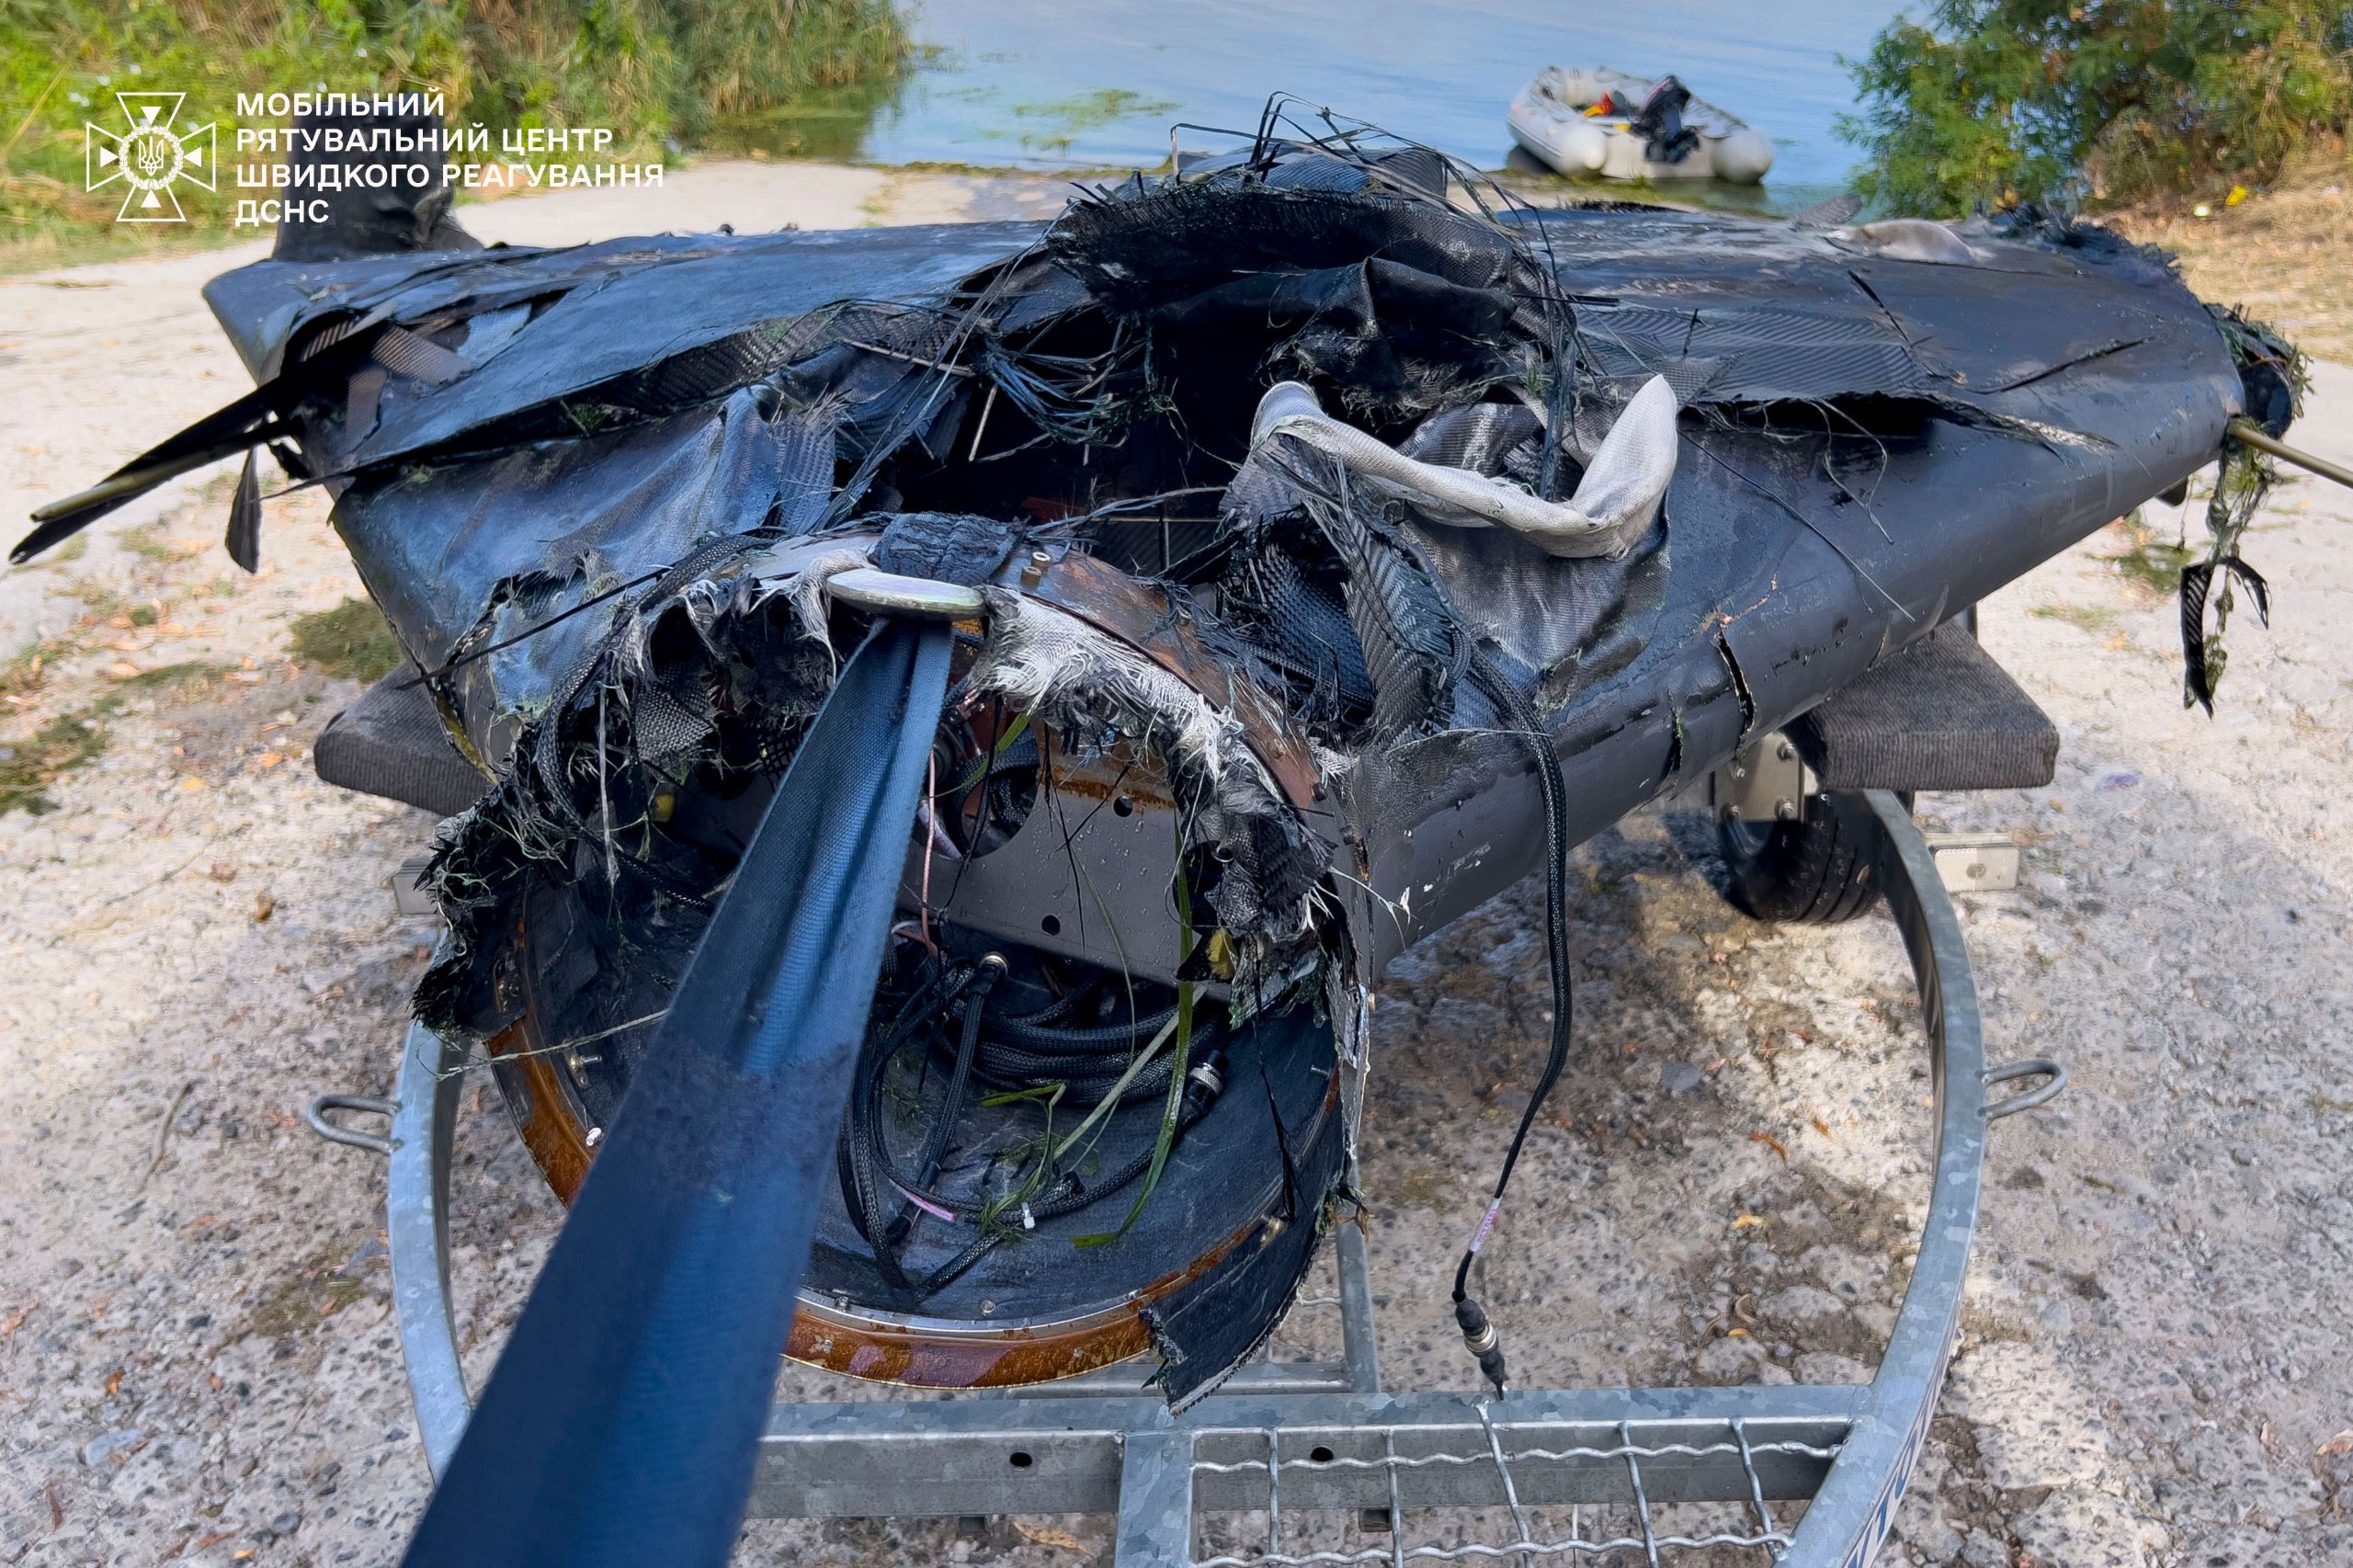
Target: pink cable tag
x=935 y=1211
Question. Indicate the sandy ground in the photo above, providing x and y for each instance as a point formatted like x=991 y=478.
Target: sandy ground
x=196 y=1361
x=2280 y=253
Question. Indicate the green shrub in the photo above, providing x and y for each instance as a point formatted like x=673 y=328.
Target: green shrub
x=2096 y=102
x=658 y=73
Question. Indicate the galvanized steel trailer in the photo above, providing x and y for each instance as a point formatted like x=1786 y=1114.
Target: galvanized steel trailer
x=1648 y=1473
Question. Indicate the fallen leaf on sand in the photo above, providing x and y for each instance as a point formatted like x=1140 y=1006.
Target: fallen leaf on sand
x=1770 y=1143
x=2340 y=1443
x=1044 y=1535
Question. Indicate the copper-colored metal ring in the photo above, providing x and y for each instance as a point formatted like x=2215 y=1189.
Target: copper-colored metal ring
x=916 y=1351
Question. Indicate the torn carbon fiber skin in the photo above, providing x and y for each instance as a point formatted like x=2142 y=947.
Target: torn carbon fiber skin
x=1335 y=535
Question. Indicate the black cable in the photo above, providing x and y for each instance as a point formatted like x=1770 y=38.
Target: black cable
x=856 y=1153
x=990 y=970
x=1034 y=1031
x=1204 y=1082
x=1001 y=1051
x=472 y=654
x=1479 y=1334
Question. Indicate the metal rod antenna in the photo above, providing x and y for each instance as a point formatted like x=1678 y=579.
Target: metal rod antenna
x=2254 y=435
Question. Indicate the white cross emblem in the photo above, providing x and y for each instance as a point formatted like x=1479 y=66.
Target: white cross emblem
x=149 y=157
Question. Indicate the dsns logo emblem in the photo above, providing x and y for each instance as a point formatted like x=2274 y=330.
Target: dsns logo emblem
x=150 y=156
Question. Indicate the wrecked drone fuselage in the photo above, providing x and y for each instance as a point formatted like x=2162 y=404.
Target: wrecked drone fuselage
x=1225 y=731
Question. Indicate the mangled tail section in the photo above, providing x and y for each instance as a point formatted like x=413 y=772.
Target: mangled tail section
x=1327 y=544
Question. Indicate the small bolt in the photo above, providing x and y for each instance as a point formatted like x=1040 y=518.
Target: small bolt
x=1733 y=811
x=1034 y=571
x=1785 y=810
x=987 y=1307
x=1785 y=751
x=596 y=1136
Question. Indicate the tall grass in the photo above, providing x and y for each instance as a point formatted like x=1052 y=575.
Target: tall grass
x=659 y=74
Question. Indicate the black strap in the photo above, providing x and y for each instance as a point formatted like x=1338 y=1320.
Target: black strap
x=622 y=1422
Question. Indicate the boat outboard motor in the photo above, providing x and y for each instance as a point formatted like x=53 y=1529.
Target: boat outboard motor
x=1667 y=138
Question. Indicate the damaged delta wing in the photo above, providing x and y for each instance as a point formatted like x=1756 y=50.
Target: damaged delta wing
x=1327 y=546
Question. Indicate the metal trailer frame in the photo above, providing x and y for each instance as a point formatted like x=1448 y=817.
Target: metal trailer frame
x=1295 y=1437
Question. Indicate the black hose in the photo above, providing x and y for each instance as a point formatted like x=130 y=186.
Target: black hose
x=1203 y=1083
x=1005 y=1052
x=990 y=970
x=975 y=1000
x=1035 y=1032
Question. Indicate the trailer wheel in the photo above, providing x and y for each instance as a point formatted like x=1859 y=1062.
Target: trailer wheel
x=1815 y=871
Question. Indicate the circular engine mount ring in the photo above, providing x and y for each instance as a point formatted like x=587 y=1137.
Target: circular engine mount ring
x=836 y=1334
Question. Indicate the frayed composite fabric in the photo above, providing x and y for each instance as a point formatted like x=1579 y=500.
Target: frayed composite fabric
x=1072 y=677
x=1046 y=662
x=1240 y=716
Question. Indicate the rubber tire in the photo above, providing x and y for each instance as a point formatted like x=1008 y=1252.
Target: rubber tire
x=1818 y=870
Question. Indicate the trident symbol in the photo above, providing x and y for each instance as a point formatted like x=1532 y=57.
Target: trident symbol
x=150 y=155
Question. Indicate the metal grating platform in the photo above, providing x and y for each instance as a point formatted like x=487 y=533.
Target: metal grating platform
x=1610 y=1479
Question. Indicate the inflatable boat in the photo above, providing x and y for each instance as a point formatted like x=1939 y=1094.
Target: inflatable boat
x=1625 y=127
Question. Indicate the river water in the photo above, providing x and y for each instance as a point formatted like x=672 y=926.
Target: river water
x=1097 y=83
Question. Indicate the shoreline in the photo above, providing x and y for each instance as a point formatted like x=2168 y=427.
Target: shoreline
x=32 y=259
x=987 y=187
